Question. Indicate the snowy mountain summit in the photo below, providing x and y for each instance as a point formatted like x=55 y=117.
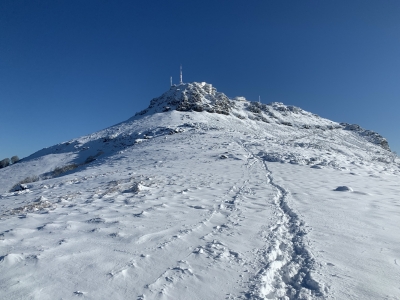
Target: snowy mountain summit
x=202 y=196
x=202 y=96
x=190 y=97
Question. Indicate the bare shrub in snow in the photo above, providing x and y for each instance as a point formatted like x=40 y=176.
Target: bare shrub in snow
x=237 y=115
x=14 y=159
x=30 y=179
x=60 y=170
x=92 y=158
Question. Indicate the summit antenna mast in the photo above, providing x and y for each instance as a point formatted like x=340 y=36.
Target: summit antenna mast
x=181 y=75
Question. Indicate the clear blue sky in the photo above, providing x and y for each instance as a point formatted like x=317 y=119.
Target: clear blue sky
x=72 y=67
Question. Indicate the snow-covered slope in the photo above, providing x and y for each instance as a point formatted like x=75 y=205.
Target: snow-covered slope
x=204 y=197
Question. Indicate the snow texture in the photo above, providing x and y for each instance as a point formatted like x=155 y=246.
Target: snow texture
x=201 y=196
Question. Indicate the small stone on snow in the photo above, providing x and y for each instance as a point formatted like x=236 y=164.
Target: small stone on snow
x=344 y=189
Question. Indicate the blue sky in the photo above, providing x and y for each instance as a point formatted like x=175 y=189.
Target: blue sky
x=69 y=68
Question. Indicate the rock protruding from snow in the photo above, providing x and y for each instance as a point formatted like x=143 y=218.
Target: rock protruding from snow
x=369 y=135
x=19 y=187
x=190 y=97
x=343 y=188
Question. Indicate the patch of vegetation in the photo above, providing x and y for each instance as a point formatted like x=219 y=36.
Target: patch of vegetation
x=30 y=179
x=4 y=163
x=37 y=206
x=60 y=170
x=14 y=159
x=20 y=186
x=92 y=158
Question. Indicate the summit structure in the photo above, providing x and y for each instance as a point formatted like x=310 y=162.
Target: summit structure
x=181 y=81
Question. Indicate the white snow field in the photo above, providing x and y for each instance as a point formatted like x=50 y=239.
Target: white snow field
x=205 y=197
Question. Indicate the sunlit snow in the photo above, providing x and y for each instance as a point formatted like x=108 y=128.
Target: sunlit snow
x=204 y=197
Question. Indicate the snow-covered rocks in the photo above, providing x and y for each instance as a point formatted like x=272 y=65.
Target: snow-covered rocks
x=190 y=97
x=19 y=187
x=370 y=135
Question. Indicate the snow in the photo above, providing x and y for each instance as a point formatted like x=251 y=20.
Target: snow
x=198 y=205
x=354 y=235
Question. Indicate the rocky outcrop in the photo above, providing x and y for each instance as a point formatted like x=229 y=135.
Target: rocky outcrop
x=196 y=96
x=369 y=135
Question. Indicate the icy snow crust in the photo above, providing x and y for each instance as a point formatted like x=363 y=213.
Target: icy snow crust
x=206 y=197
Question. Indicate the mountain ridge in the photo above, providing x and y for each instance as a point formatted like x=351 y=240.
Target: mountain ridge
x=201 y=96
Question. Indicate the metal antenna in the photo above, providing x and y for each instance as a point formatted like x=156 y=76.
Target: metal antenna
x=171 y=80
x=181 y=75
x=259 y=99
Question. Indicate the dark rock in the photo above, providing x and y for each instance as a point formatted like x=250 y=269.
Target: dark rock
x=191 y=97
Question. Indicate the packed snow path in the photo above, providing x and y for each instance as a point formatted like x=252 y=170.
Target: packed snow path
x=289 y=262
x=213 y=211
